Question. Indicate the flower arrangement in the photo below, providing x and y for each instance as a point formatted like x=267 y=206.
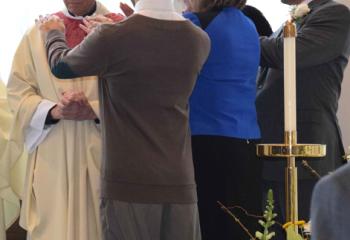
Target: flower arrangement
x=266 y=221
x=299 y=11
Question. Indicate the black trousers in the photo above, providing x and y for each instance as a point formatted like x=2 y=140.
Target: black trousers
x=226 y=170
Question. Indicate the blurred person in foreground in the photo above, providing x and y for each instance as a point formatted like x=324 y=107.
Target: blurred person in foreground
x=57 y=122
x=330 y=210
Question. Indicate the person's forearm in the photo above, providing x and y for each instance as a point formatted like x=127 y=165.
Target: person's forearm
x=57 y=49
x=89 y=58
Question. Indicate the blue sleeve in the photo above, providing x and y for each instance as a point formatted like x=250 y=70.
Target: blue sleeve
x=193 y=18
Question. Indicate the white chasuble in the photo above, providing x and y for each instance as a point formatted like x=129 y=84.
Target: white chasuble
x=61 y=193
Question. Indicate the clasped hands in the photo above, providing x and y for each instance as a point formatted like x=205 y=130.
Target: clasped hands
x=73 y=105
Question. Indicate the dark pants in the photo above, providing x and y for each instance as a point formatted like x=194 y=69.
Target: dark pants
x=305 y=188
x=227 y=170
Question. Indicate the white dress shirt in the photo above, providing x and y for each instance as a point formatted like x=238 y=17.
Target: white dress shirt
x=159 y=9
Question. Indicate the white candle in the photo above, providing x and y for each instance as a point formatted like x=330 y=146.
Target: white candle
x=289 y=83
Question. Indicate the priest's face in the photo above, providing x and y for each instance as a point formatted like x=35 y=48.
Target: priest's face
x=292 y=2
x=79 y=7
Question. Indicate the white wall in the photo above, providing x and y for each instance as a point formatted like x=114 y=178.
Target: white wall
x=275 y=12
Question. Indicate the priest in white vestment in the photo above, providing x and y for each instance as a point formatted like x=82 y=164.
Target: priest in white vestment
x=58 y=123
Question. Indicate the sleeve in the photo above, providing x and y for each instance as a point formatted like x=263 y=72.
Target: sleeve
x=23 y=98
x=319 y=40
x=89 y=58
x=22 y=91
x=37 y=130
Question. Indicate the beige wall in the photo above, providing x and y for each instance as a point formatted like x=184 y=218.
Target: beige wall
x=344 y=103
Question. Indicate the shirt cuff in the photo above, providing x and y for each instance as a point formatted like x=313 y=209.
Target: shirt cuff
x=37 y=130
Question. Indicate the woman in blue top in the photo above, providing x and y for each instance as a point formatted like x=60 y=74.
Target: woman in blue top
x=223 y=119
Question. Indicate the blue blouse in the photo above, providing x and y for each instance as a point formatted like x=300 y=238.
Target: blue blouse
x=223 y=100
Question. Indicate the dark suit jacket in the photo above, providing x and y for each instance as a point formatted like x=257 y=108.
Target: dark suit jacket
x=322 y=54
x=330 y=208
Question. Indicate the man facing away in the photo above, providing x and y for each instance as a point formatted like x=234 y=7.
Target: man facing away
x=57 y=122
x=322 y=52
x=147 y=67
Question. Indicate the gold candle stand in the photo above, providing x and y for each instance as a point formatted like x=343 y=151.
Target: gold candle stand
x=290 y=150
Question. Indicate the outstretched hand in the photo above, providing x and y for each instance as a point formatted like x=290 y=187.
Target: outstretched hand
x=91 y=22
x=49 y=22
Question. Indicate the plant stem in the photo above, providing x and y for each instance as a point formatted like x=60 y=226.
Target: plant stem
x=223 y=207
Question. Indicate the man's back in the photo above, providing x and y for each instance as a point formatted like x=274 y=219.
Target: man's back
x=156 y=65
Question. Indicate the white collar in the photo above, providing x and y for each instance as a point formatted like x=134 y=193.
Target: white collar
x=159 y=9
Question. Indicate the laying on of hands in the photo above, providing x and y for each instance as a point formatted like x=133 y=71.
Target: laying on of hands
x=91 y=22
x=50 y=22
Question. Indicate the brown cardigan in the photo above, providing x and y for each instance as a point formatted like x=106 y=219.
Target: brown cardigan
x=147 y=69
